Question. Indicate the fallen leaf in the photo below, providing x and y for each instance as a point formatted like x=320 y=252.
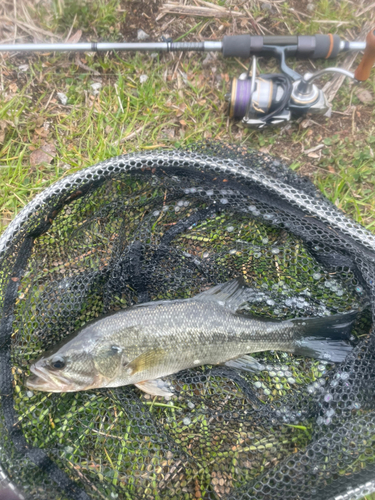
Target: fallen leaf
x=314 y=155
x=3 y=127
x=180 y=111
x=265 y=149
x=13 y=87
x=42 y=132
x=305 y=123
x=183 y=123
x=142 y=35
x=62 y=98
x=169 y=133
x=43 y=155
x=75 y=38
x=23 y=67
x=364 y=96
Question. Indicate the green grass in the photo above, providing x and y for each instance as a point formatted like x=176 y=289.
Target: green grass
x=182 y=101
x=165 y=110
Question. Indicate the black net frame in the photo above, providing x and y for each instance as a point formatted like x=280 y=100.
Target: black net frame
x=336 y=462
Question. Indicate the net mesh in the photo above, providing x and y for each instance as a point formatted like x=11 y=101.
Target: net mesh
x=166 y=225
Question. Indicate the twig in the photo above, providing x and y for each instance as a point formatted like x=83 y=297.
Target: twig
x=71 y=29
x=129 y=136
x=12 y=39
x=1 y=78
x=369 y=7
x=353 y=120
x=331 y=22
x=15 y=15
x=316 y=148
x=252 y=20
x=287 y=27
x=118 y=97
x=27 y=27
x=49 y=100
x=299 y=12
x=176 y=67
x=189 y=10
x=86 y=480
x=87 y=68
x=212 y=6
x=341 y=113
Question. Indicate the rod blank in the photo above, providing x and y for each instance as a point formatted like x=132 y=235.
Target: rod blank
x=104 y=46
x=208 y=46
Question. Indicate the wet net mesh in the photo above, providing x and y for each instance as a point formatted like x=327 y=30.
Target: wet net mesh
x=166 y=225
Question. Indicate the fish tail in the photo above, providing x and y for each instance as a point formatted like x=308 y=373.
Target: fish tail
x=325 y=338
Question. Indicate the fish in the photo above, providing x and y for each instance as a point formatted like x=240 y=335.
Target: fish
x=144 y=343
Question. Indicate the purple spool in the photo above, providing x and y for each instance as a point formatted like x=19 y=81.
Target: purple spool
x=240 y=97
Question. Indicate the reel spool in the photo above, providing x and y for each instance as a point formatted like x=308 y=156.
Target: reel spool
x=260 y=101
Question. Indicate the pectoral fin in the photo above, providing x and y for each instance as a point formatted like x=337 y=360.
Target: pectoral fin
x=146 y=360
x=155 y=387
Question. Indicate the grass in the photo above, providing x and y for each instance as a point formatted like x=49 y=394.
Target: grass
x=181 y=101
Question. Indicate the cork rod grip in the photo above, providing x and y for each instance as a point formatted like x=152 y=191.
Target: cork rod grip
x=364 y=68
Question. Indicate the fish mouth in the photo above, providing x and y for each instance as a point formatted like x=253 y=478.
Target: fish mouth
x=42 y=380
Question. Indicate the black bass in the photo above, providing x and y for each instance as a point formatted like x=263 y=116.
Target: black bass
x=140 y=344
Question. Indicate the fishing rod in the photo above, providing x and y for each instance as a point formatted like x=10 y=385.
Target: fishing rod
x=258 y=100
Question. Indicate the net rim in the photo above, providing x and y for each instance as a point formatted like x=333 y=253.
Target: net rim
x=125 y=163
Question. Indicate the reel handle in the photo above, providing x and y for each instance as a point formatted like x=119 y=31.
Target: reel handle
x=368 y=59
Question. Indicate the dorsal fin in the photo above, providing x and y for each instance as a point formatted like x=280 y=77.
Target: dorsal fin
x=231 y=294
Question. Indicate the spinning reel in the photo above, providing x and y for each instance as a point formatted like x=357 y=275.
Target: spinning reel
x=271 y=99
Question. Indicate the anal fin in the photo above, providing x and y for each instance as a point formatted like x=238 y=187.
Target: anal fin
x=157 y=387
x=246 y=363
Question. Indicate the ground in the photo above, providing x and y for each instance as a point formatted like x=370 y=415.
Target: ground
x=62 y=112
x=182 y=100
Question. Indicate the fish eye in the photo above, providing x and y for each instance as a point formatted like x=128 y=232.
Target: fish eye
x=58 y=363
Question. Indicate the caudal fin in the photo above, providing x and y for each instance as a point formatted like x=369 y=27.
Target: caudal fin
x=325 y=338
